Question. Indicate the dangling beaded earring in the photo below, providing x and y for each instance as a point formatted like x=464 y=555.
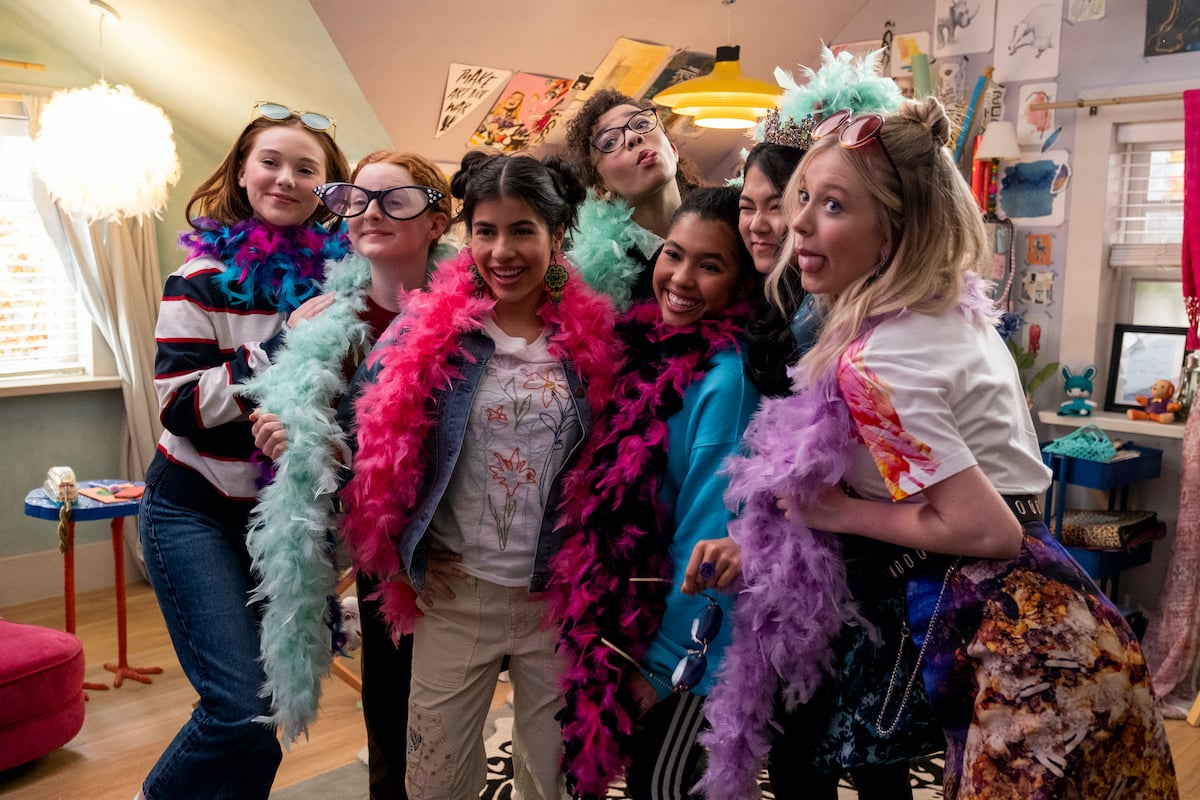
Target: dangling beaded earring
x=556 y=278
x=477 y=279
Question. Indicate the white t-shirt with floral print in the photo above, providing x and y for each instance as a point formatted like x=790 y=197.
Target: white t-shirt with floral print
x=523 y=424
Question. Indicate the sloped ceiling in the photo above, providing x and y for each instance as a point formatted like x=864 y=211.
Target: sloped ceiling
x=379 y=67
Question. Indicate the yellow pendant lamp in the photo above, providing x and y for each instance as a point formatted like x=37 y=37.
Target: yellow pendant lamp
x=722 y=98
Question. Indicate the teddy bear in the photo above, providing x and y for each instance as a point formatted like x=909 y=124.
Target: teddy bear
x=1158 y=405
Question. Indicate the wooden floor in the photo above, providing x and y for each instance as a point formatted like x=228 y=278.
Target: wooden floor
x=126 y=729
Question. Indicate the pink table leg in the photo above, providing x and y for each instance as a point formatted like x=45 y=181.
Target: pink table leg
x=121 y=669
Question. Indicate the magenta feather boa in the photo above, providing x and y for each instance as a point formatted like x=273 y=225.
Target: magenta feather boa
x=394 y=417
x=616 y=528
x=795 y=597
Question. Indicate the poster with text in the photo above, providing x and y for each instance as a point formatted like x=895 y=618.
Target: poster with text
x=466 y=88
x=524 y=113
x=1028 y=38
x=963 y=26
x=1032 y=189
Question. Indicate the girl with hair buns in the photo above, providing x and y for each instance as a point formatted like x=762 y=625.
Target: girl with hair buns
x=468 y=412
x=257 y=250
x=909 y=443
x=397 y=207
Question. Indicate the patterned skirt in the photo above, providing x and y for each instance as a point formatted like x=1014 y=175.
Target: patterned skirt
x=1037 y=681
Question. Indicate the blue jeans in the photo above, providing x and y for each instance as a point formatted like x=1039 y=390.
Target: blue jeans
x=195 y=549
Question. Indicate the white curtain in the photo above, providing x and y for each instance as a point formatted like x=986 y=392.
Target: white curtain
x=114 y=267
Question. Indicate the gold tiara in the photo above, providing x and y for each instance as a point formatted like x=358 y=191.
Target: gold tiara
x=788 y=133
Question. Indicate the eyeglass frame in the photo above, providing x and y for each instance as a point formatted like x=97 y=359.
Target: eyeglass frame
x=432 y=196
x=623 y=128
x=692 y=656
x=842 y=120
x=330 y=128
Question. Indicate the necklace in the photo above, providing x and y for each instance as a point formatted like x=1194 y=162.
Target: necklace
x=916 y=672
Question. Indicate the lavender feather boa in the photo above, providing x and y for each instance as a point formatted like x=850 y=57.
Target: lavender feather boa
x=795 y=598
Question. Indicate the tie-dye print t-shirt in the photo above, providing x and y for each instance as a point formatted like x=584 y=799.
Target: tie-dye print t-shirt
x=933 y=395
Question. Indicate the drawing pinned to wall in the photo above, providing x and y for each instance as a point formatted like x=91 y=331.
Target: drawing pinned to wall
x=951 y=80
x=904 y=47
x=963 y=26
x=1028 y=34
x=1037 y=287
x=1085 y=10
x=1171 y=27
x=523 y=114
x=1038 y=249
x=1034 y=127
x=466 y=88
x=1031 y=189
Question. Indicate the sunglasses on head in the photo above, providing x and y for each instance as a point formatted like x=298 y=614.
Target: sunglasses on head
x=309 y=119
x=691 y=668
x=398 y=202
x=854 y=131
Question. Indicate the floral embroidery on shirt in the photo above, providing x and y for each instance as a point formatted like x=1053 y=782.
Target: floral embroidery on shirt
x=551 y=383
x=496 y=414
x=520 y=405
x=512 y=473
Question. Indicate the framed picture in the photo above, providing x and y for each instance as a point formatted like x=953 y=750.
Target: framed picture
x=1141 y=355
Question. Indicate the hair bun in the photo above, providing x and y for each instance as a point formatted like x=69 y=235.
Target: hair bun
x=471 y=164
x=566 y=179
x=932 y=114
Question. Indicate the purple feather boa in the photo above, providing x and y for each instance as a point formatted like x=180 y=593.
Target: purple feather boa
x=795 y=598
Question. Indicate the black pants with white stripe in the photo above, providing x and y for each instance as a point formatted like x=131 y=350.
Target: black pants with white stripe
x=667 y=761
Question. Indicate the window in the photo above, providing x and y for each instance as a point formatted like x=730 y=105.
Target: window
x=1146 y=223
x=1096 y=293
x=44 y=330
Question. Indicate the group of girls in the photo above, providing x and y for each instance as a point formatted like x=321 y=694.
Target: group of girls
x=541 y=445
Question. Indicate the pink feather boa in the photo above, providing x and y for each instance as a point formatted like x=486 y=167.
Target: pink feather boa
x=394 y=416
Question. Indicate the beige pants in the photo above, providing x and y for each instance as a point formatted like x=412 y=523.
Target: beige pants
x=457 y=649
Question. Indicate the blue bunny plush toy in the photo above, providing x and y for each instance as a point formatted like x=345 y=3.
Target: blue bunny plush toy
x=1079 y=389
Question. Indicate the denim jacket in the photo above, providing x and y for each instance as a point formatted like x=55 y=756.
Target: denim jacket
x=443 y=444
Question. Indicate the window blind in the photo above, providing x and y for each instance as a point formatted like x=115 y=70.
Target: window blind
x=39 y=310
x=1147 y=216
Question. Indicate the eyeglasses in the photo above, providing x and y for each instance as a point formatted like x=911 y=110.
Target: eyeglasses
x=309 y=119
x=610 y=140
x=398 y=202
x=691 y=668
x=854 y=132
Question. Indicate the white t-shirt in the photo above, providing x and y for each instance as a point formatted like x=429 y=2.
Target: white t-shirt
x=932 y=396
x=523 y=424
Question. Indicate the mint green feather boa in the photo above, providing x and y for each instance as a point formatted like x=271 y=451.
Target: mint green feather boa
x=600 y=246
x=288 y=539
